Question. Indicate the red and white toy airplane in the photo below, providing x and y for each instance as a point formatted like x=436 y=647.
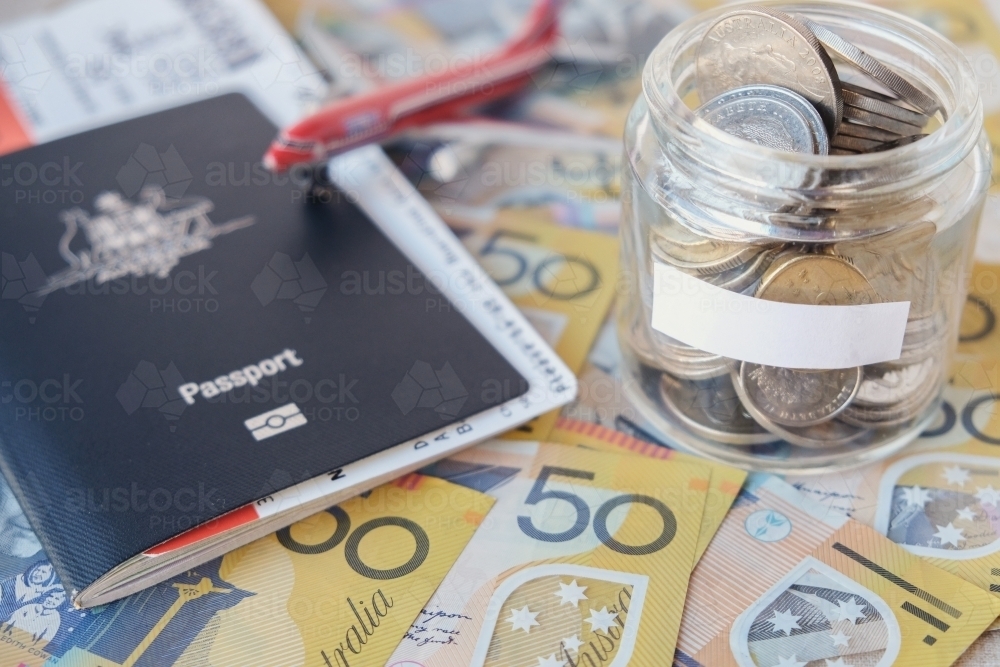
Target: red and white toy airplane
x=374 y=115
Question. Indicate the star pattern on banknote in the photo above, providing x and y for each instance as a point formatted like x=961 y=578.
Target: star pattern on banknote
x=601 y=620
x=850 y=610
x=572 y=644
x=957 y=475
x=967 y=514
x=551 y=661
x=523 y=619
x=916 y=497
x=839 y=662
x=988 y=496
x=784 y=621
x=840 y=639
x=949 y=534
x=790 y=662
x=570 y=593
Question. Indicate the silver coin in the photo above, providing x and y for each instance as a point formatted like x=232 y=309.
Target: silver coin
x=829 y=434
x=686 y=361
x=859 y=97
x=711 y=409
x=745 y=278
x=854 y=144
x=902 y=141
x=664 y=353
x=759 y=45
x=799 y=398
x=636 y=338
x=873 y=68
x=899 y=264
x=881 y=416
x=834 y=433
x=678 y=246
x=883 y=219
x=920 y=346
x=769 y=116
x=880 y=121
x=764 y=122
x=849 y=128
x=891 y=384
x=806 y=108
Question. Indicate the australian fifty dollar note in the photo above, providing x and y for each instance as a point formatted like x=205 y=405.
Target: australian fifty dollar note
x=940 y=498
x=584 y=560
x=723 y=486
x=790 y=583
x=561 y=279
x=338 y=589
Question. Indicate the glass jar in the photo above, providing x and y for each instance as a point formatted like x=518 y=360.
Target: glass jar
x=821 y=335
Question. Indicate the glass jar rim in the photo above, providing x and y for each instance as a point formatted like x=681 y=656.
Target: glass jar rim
x=941 y=149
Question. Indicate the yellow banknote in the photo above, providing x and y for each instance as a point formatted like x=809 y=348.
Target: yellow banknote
x=596 y=109
x=722 y=488
x=790 y=583
x=940 y=498
x=347 y=582
x=339 y=589
x=562 y=279
x=584 y=560
x=523 y=174
x=769 y=530
x=514 y=174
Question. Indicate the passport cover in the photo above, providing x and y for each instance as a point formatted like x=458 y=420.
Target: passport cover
x=150 y=266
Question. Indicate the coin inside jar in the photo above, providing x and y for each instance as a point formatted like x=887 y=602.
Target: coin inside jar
x=712 y=409
x=831 y=433
x=759 y=45
x=768 y=116
x=746 y=277
x=891 y=384
x=873 y=68
x=798 y=397
x=820 y=280
x=898 y=265
x=681 y=247
x=904 y=410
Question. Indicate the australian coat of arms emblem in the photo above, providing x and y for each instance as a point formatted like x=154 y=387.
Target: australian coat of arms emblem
x=146 y=237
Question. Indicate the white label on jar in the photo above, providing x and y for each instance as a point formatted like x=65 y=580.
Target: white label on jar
x=773 y=333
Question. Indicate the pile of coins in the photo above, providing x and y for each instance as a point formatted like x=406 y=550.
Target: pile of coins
x=749 y=67
x=742 y=403
x=778 y=87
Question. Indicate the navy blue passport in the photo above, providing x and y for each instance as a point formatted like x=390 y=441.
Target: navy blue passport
x=183 y=333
